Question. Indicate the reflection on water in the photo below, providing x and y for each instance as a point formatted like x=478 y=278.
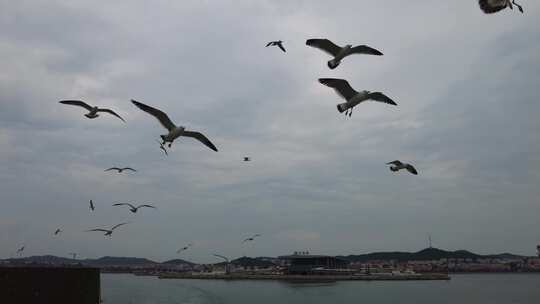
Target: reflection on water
x=473 y=289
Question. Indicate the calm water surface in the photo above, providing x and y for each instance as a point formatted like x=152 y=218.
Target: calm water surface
x=471 y=288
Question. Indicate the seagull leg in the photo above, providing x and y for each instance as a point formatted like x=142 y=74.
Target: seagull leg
x=350 y=113
x=518 y=6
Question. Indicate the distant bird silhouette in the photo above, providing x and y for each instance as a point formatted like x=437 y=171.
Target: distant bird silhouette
x=184 y=248
x=246 y=159
x=57 y=231
x=340 y=52
x=92 y=205
x=220 y=256
x=353 y=97
x=93 y=111
x=120 y=170
x=174 y=131
x=251 y=238
x=108 y=232
x=20 y=250
x=397 y=165
x=493 y=6
x=133 y=208
x=278 y=43
x=162 y=147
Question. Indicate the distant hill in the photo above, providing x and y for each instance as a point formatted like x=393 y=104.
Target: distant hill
x=118 y=261
x=178 y=262
x=426 y=254
x=43 y=259
x=252 y=262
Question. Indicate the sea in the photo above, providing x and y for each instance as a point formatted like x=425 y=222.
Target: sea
x=462 y=288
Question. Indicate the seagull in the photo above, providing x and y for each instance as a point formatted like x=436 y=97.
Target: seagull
x=121 y=169
x=340 y=52
x=493 y=6
x=279 y=43
x=133 y=208
x=174 y=131
x=162 y=147
x=108 y=232
x=247 y=158
x=184 y=248
x=57 y=231
x=93 y=111
x=397 y=165
x=92 y=205
x=20 y=250
x=251 y=238
x=353 y=97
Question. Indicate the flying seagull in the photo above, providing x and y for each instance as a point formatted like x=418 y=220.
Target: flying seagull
x=92 y=205
x=184 y=248
x=57 y=231
x=353 y=97
x=279 y=43
x=247 y=158
x=340 y=52
x=493 y=6
x=174 y=131
x=108 y=232
x=20 y=250
x=397 y=165
x=121 y=169
x=251 y=238
x=92 y=111
x=133 y=208
x=162 y=147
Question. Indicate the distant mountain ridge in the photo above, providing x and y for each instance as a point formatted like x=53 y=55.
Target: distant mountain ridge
x=425 y=254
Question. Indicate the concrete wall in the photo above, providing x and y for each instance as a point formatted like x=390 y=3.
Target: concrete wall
x=55 y=285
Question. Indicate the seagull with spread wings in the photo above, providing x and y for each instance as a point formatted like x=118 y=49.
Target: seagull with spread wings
x=20 y=250
x=352 y=97
x=252 y=238
x=108 y=232
x=277 y=43
x=247 y=158
x=493 y=6
x=174 y=131
x=92 y=110
x=397 y=165
x=184 y=248
x=120 y=170
x=339 y=52
x=58 y=231
x=132 y=208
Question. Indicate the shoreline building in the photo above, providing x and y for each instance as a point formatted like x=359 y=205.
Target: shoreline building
x=305 y=264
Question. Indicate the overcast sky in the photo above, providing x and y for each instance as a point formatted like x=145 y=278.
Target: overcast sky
x=466 y=85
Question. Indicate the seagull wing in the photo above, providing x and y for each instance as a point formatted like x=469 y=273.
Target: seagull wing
x=200 y=137
x=489 y=7
x=129 y=168
x=364 y=49
x=147 y=206
x=324 y=45
x=160 y=115
x=116 y=226
x=112 y=168
x=341 y=87
x=396 y=162
x=124 y=204
x=112 y=113
x=79 y=103
x=411 y=169
x=91 y=205
x=269 y=43
x=98 y=229
x=281 y=47
x=378 y=96
x=256 y=235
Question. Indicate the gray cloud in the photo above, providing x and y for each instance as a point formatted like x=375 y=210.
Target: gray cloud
x=465 y=84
